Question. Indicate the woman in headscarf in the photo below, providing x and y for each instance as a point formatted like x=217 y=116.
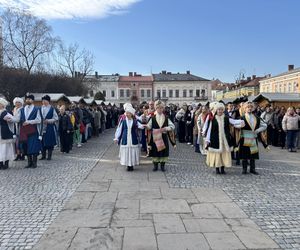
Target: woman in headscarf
x=127 y=137
x=7 y=144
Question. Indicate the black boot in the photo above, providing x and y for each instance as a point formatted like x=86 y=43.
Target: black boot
x=49 y=154
x=218 y=171
x=34 y=161
x=128 y=168
x=252 y=167
x=22 y=157
x=6 y=165
x=17 y=158
x=29 y=158
x=1 y=165
x=223 y=170
x=245 y=163
x=162 y=166
x=155 y=168
x=43 y=155
x=131 y=168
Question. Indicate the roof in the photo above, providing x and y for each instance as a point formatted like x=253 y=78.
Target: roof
x=136 y=79
x=227 y=100
x=75 y=99
x=89 y=100
x=176 y=77
x=296 y=70
x=254 y=82
x=280 y=97
x=54 y=96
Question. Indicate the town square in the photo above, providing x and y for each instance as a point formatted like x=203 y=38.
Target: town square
x=149 y=125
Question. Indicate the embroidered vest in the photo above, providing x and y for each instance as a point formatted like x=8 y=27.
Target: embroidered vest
x=6 y=134
x=123 y=137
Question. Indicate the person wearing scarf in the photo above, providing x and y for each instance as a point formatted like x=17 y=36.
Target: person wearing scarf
x=248 y=149
x=162 y=129
x=127 y=137
x=219 y=141
x=7 y=144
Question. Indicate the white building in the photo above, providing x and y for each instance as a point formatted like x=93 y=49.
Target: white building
x=107 y=84
x=181 y=88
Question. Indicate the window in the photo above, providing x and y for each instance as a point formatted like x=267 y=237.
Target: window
x=148 y=93
x=191 y=93
x=184 y=93
x=91 y=93
x=158 y=93
x=142 y=93
x=177 y=93
x=198 y=93
x=127 y=92
x=170 y=93
x=164 y=93
x=121 y=92
x=290 y=87
x=133 y=92
x=202 y=92
x=104 y=93
x=112 y=93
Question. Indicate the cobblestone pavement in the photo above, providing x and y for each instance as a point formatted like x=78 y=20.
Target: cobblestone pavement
x=271 y=199
x=31 y=198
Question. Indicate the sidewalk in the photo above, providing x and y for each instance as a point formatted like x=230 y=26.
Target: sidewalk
x=115 y=209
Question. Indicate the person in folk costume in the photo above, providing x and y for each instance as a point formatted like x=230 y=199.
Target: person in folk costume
x=7 y=143
x=127 y=137
x=197 y=113
x=30 y=121
x=219 y=141
x=200 y=123
x=18 y=103
x=248 y=145
x=49 y=118
x=162 y=129
x=209 y=117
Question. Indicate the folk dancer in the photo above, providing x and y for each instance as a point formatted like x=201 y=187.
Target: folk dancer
x=7 y=143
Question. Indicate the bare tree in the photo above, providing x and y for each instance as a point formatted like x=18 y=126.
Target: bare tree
x=27 y=40
x=72 y=59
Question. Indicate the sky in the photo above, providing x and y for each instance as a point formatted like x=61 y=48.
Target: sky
x=211 y=38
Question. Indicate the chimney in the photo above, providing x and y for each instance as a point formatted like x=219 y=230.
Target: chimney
x=135 y=74
x=253 y=77
x=96 y=74
x=291 y=67
x=249 y=78
x=169 y=73
x=164 y=72
x=188 y=72
x=130 y=74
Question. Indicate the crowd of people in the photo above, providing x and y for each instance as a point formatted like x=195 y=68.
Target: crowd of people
x=29 y=130
x=220 y=132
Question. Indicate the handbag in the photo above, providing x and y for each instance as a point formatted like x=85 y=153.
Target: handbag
x=27 y=131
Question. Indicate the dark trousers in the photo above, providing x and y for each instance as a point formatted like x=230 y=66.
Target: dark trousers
x=65 y=141
x=291 y=136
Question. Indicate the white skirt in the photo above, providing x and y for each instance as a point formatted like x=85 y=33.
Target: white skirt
x=129 y=156
x=7 y=150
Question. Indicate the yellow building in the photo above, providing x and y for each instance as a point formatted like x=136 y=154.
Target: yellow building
x=287 y=82
x=249 y=87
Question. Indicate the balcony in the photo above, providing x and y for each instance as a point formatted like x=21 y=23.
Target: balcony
x=201 y=98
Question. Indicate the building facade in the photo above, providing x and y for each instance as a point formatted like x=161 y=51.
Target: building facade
x=181 y=88
x=135 y=88
x=287 y=82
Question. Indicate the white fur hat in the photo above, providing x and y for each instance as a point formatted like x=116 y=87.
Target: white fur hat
x=127 y=105
x=212 y=105
x=18 y=99
x=3 y=102
x=219 y=105
x=130 y=109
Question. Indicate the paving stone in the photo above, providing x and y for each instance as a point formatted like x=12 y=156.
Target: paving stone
x=206 y=211
x=132 y=223
x=164 y=206
x=206 y=225
x=56 y=238
x=168 y=223
x=104 y=239
x=103 y=197
x=126 y=210
x=230 y=210
x=99 y=217
x=117 y=186
x=211 y=195
x=144 y=238
x=80 y=200
x=137 y=195
x=223 y=241
x=256 y=239
x=238 y=224
x=100 y=186
x=176 y=193
x=184 y=241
